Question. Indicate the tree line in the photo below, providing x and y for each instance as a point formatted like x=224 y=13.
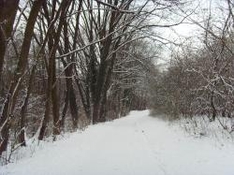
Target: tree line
x=67 y=63
x=199 y=80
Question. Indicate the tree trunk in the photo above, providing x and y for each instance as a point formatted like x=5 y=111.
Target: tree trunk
x=23 y=111
x=69 y=83
x=64 y=112
x=52 y=96
x=213 y=107
x=8 y=11
x=19 y=73
x=45 y=120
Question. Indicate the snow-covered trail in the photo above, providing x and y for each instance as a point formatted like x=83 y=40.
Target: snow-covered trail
x=134 y=145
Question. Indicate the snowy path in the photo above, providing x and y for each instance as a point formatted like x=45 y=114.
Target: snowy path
x=134 y=145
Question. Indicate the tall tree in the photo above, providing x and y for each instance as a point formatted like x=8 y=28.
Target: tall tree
x=53 y=41
x=8 y=11
x=8 y=107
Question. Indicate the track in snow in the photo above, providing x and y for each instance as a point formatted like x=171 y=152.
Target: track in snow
x=133 y=145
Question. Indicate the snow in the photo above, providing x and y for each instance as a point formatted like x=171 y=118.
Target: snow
x=134 y=145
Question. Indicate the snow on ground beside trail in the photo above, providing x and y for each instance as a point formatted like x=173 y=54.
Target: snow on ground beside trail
x=133 y=145
x=220 y=131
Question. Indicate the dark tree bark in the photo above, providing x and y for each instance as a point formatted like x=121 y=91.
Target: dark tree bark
x=214 y=112
x=53 y=43
x=23 y=111
x=8 y=11
x=69 y=71
x=8 y=107
x=69 y=64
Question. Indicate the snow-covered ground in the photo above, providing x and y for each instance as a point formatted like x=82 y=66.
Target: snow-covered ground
x=134 y=145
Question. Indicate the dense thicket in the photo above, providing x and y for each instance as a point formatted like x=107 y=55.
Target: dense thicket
x=200 y=81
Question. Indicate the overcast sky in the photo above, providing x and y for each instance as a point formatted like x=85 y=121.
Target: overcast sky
x=188 y=32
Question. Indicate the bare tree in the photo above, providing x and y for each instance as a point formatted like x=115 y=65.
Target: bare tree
x=53 y=41
x=9 y=104
x=8 y=11
x=88 y=50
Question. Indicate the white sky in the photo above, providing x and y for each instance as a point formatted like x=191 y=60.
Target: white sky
x=189 y=32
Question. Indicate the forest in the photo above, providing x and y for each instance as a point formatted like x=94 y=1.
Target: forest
x=67 y=64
